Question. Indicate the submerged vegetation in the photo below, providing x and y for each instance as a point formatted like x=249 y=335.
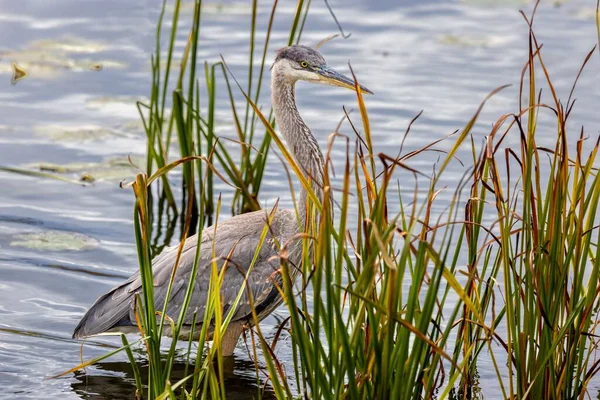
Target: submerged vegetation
x=400 y=305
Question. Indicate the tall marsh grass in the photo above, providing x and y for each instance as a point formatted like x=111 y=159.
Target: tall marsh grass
x=391 y=305
x=194 y=126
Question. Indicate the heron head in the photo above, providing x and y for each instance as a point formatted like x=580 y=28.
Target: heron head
x=301 y=63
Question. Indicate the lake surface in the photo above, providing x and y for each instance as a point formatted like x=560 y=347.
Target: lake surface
x=442 y=57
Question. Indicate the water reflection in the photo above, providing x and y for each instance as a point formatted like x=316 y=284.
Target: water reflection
x=115 y=380
x=166 y=221
x=470 y=390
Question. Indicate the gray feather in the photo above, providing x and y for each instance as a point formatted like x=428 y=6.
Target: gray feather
x=234 y=241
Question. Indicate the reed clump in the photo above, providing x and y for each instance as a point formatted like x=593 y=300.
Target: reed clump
x=399 y=305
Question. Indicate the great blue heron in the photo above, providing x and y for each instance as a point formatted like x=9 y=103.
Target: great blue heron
x=237 y=238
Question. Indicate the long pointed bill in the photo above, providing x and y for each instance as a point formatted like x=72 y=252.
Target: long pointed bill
x=329 y=76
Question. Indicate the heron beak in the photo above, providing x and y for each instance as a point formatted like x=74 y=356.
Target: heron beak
x=329 y=76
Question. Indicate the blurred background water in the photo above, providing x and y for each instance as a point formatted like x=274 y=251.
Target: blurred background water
x=63 y=244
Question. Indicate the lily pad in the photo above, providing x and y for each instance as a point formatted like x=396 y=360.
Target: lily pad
x=39 y=174
x=470 y=41
x=213 y=7
x=495 y=3
x=68 y=168
x=112 y=169
x=6 y=129
x=48 y=59
x=69 y=45
x=75 y=134
x=586 y=13
x=136 y=127
x=55 y=241
x=101 y=102
x=505 y=3
x=123 y=107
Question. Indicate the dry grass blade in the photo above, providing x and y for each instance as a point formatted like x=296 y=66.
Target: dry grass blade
x=325 y=40
x=96 y=359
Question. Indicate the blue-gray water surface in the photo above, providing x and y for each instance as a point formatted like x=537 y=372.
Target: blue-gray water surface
x=63 y=244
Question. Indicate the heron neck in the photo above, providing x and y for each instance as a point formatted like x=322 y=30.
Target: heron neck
x=300 y=141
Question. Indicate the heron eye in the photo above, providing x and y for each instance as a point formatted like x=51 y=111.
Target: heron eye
x=304 y=64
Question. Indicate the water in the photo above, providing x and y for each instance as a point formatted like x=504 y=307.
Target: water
x=438 y=56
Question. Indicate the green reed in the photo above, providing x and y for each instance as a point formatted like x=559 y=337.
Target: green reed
x=193 y=128
x=375 y=325
x=541 y=253
x=195 y=138
x=379 y=286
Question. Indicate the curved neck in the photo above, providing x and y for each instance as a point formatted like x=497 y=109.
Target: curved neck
x=300 y=141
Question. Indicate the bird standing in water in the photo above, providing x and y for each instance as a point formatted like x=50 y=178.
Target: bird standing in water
x=235 y=240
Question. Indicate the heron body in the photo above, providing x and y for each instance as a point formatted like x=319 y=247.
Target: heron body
x=233 y=242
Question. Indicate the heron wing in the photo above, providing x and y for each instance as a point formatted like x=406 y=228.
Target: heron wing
x=232 y=244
